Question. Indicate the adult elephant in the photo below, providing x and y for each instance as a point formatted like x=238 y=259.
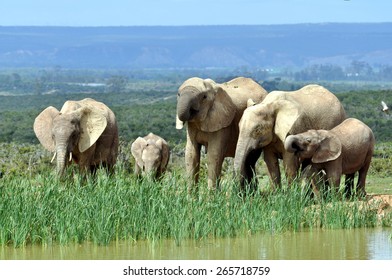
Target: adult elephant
x=85 y=131
x=212 y=112
x=265 y=126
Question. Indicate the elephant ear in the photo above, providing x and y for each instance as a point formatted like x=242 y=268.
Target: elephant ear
x=222 y=111
x=164 y=153
x=92 y=124
x=137 y=149
x=43 y=125
x=330 y=149
x=287 y=114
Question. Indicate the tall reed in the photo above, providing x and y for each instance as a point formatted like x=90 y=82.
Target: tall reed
x=43 y=209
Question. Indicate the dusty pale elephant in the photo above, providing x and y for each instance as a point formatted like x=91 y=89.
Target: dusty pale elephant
x=85 y=131
x=151 y=154
x=345 y=149
x=264 y=127
x=212 y=112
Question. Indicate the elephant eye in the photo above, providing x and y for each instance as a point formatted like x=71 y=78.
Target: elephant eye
x=204 y=96
x=308 y=140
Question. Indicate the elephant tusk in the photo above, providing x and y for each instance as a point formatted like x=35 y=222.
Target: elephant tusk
x=70 y=156
x=54 y=156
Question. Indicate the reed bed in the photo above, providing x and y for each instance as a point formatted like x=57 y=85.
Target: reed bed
x=42 y=209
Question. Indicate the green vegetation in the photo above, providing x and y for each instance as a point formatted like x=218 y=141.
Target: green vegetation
x=41 y=209
x=140 y=112
x=137 y=113
x=38 y=208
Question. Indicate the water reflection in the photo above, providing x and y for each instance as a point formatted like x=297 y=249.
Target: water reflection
x=359 y=244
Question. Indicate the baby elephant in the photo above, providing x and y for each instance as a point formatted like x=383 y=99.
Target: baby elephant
x=151 y=154
x=345 y=149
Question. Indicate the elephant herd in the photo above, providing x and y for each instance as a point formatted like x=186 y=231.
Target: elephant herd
x=303 y=128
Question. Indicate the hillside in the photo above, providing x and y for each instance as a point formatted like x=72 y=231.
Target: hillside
x=267 y=46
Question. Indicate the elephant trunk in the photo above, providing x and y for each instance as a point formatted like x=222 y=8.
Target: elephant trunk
x=62 y=157
x=148 y=169
x=240 y=160
x=246 y=156
x=291 y=144
x=187 y=106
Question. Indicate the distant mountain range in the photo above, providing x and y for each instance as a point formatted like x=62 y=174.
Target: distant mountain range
x=265 y=46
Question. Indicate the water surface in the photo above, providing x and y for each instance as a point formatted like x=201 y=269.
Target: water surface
x=357 y=244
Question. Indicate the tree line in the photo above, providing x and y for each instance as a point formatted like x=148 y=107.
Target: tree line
x=139 y=113
x=356 y=71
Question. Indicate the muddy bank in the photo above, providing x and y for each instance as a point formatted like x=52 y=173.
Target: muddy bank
x=382 y=203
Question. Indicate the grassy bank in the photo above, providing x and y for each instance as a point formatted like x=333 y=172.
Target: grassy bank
x=38 y=208
x=43 y=210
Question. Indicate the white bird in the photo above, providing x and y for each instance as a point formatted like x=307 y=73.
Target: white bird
x=385 y=108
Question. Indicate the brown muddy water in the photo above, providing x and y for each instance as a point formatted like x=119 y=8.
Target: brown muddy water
x=358 y=244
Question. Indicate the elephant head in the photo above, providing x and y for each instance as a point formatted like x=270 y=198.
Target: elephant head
x=204 y=103
x=317 y=145
x=69 y=133
x=151 y=155
x=259 y=126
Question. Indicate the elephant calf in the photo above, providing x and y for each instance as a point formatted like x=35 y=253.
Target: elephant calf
x=345 y=149
x=151 y=154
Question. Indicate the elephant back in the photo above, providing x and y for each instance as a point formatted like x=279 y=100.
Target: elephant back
x=106 y=111
x=321 y=106
x=242 y=89
x=318 y=107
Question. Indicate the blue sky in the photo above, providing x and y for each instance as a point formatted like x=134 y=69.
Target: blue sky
x=190 y=12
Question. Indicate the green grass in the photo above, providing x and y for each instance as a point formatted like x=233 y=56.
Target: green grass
x=38 y=208
x=378 y=185
x=42 y=209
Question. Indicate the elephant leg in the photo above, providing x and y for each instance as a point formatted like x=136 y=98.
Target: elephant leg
x=360 y=188
x=272 y=162
x=158 y=174
x=334 y=180
x=93 y=169
x=362 y=173
x=192 y=159
x=215 y=156
x=138 y=170
x=291 y=166
x=349 y=184
x=214 y=163
x=109 y=168
x=315 y=187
